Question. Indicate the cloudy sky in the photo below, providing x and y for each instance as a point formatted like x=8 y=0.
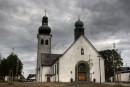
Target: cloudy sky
x=105 y=22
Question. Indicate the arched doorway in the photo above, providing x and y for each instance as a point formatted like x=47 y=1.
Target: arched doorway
x=82 y=71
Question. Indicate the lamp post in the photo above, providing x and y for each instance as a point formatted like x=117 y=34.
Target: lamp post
x=99 y=68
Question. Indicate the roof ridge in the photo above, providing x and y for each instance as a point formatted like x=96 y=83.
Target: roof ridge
x=51 y=54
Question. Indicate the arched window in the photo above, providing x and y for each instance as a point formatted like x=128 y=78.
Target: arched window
x=46 y=42
x=42 y=41
x=82 y=68
x=82 y=51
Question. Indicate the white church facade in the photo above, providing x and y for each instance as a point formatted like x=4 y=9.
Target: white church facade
x=80 y=62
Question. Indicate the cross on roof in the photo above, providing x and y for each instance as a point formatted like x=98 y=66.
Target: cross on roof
x=114 y=45
x=12 y=50
x=78 y=17
x=45 y=12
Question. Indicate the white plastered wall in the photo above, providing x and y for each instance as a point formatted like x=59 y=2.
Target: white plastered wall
x=125 y=77
x=45 y=70
x=73 y=55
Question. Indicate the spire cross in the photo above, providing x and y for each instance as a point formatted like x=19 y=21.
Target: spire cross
x=45 y=12
x=12 y=50
x=114 y=45
x=78 y=17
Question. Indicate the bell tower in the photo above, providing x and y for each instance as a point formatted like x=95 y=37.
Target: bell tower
x=79 y=30
x=44 y=43
x=44 y=37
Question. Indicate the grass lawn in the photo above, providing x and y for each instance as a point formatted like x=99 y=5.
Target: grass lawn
x=55 y=85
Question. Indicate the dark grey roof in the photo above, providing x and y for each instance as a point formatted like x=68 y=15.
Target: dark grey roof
x=49 y=59
x=31 y=75
x=124 y=69
x=127 y=71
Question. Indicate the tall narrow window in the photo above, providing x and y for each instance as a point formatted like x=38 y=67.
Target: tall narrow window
x=46 y=42
x=53 y=69
x=42 y=41
x=82 y=51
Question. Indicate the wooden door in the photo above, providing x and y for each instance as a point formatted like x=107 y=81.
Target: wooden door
x=82 y=76
x=48 y=79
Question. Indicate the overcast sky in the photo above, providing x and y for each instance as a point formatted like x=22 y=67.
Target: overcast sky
x=105 y=22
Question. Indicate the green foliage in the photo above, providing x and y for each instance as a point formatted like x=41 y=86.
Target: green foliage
x=109 y=56
x=4 y=67
x=11 y=63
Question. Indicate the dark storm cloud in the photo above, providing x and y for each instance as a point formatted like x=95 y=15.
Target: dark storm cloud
x=17 y=29
x=109 y=19
x=125 y=6
x=104 y=20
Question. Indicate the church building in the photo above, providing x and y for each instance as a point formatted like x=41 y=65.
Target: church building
x=80 y=62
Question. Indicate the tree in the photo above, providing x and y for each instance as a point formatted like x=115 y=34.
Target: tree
x=11 y=63
x=109 y=56
x=3 y=68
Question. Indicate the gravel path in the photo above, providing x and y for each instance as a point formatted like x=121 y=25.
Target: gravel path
x=55 y=85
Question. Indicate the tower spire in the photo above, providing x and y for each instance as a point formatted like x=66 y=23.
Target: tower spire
x=45 y=12
x=12 y=51
x=114 y=45
x=79 y=30
x=45 y=19
x=78 y=17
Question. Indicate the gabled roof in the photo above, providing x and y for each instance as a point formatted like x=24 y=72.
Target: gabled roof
x=31 y=75
x=49 y=59
x=92 y=46
x=87 y=41
x=22 y=77
x=123 y=69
